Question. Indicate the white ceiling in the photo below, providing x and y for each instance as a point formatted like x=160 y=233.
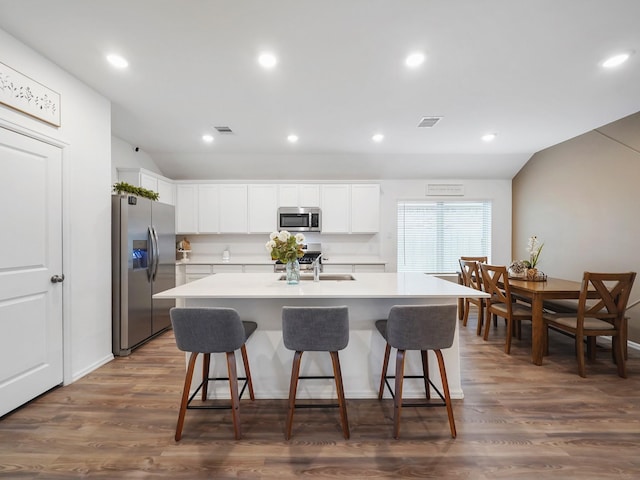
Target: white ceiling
x=525 y=69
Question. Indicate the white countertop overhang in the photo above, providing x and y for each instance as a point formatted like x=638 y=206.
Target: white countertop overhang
x=365 y=285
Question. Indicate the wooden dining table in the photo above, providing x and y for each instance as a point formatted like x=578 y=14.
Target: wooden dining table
x=537 y=293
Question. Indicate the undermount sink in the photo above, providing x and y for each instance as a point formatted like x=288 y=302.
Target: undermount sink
x=336 y=277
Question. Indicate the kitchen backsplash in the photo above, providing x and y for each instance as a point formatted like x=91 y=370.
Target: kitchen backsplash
x=253 y=245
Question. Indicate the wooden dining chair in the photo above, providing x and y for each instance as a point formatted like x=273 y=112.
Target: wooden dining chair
x=472 y=278
x=495 y=281
x=475 y=259
x=601 y=311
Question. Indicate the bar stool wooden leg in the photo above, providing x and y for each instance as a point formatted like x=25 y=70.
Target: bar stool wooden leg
x=425 y=372
x=233 y=387
x=295 y=373
x=397 y=400
x=206 y=358
x=337 y=373
x=185 y=395
x=445 y=389
x=385 y=366
x=247 y=371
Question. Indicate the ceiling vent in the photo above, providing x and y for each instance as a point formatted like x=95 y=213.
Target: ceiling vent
x=428 y=122
x=224 y=130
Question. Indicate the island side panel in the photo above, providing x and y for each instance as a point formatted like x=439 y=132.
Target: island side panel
x=361 y=361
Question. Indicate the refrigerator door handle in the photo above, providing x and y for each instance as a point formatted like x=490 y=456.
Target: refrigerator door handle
x=156 y=252
x=151 y=255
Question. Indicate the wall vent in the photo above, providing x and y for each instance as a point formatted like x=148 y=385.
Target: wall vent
x=428 y=122
x=224 y=130
x=445 y=189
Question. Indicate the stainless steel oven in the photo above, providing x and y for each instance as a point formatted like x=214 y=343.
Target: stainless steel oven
x=311 y=253
x=300 y=219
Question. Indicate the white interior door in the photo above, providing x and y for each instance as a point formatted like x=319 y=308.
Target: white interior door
x=30 y=255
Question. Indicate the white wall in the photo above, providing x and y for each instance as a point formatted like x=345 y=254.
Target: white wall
x=383 y=244
x=123 y=155
x=86 y=129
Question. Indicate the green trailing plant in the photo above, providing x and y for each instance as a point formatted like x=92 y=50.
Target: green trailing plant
x=124 y=187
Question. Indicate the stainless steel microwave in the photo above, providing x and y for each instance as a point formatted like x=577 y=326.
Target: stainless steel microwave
x=300 y=219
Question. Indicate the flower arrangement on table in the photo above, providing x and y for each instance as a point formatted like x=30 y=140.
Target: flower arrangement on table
x=534 y=248
x=285 y=247
x=528 y=268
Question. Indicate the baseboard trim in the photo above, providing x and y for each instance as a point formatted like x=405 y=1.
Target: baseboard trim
x=78 y=375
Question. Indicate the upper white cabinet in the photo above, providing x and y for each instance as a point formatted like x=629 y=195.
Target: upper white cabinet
x=140 y=177
x=241 y=208
x=335 y=202
x=186 y=208
x=365 y=208
x=263 y=208
x=233 y=208
x=298 y=195
x=208 y=208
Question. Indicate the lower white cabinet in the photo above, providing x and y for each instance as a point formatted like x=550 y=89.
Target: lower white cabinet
x=354 y=268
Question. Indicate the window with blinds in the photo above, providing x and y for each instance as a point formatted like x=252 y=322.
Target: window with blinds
x=432 y=236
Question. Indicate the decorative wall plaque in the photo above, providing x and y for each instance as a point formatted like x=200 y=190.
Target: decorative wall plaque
x=28 y=96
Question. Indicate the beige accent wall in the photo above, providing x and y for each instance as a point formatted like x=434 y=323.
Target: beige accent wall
x=582 y=199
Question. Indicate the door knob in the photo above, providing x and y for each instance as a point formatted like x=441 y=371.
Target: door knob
x=57 y=278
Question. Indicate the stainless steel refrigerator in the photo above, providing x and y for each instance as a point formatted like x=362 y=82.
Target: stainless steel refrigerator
x=143 y=250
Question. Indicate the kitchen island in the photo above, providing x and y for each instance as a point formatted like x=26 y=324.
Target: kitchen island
x=260 y=297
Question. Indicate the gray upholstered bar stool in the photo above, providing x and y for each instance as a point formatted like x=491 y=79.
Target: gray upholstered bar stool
x=207 y=331
x=417 y=327
x=318 y=329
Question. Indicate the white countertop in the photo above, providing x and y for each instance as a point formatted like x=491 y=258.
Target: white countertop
x=265 y=260
x=365 y=285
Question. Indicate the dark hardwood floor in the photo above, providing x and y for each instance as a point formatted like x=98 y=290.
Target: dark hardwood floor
x=517 y=421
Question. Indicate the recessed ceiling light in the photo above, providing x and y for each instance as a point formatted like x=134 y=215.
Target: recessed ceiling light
x=117 y=61
x=292 y=138
x=616 y=60
x=378 y=137
x=489 y=137
x=207 y=138
x=414 y=60
x=267 y=60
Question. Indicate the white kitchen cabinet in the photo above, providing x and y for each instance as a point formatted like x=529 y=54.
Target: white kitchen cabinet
x=335 y=202
x=186 y=208
x=256 y=268
x=353 y=267
x=233 y=208
x=263 y=208
x=196 y=272
x=299 y=195
x=288 y=195
x=365 y=208
x=166 y=191
x=226 y=268
x=139 y=177
x=208 y=208
x=309 y=195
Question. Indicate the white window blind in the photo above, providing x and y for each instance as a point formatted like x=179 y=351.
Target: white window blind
x=432 y=236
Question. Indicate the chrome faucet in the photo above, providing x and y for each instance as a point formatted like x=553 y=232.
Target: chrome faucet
x=316 y=269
